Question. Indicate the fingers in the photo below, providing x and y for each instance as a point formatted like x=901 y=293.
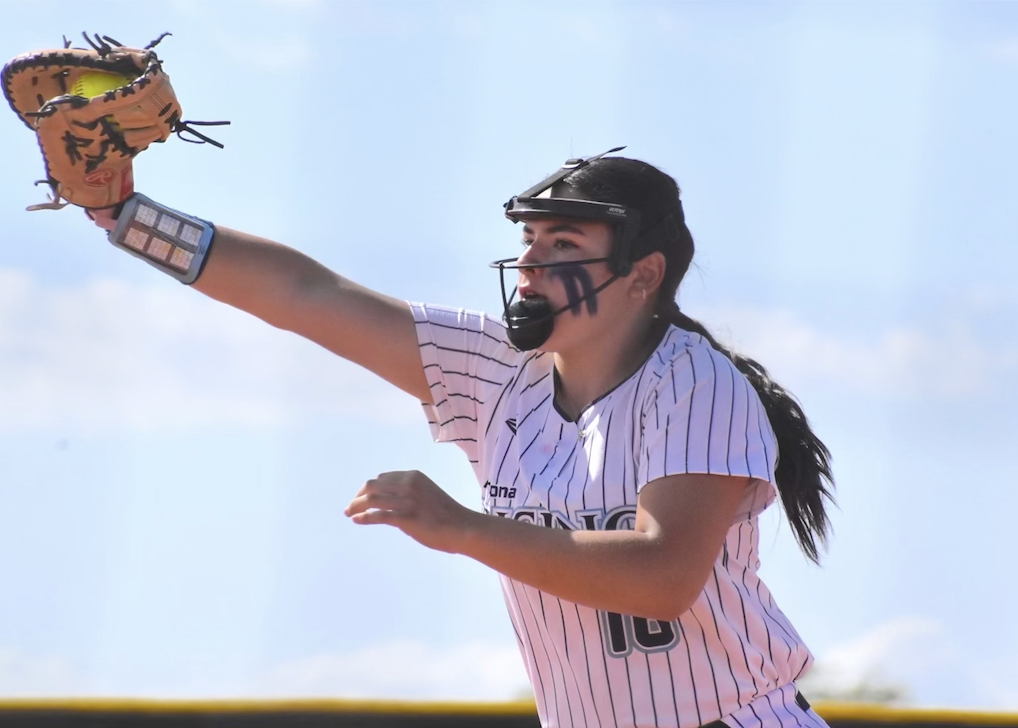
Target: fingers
x=389 y=492
x=103 y=217
x=369 y=501
x=414 y=504
x=375 y=517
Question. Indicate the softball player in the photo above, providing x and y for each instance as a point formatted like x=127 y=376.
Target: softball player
x=623 y=455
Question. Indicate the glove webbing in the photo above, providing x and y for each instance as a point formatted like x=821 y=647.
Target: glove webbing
x=104 y=45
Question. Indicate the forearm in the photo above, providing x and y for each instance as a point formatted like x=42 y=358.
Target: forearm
x=629 y=572
x=292 y=291
x=260 y=276
x=655 y=570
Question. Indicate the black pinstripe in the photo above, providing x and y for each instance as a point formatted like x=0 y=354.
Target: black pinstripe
x=529 y=646
x=731 y=420
x=586 y=658
x=671 y=680
x=717 y=632
x=565 y=644
x=574 y=459
x=713 y=402
x=629 y=682
x=650 y=681
x=565 y=686
x=467 y=352
x=745 y=388
x=468 y=375
x=636 y=416
x=685 y=410
x=608 y=683
x=521 y=370
x=692 y=395
x=710 y=662
x=692 y=674
x=604 y=469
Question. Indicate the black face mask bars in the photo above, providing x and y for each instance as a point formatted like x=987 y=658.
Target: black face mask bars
x=529 y=323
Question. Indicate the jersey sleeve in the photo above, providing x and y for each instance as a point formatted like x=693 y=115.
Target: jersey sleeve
x=466 y=356
x=704 y=417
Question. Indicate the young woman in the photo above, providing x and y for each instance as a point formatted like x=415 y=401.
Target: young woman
x=624 y=456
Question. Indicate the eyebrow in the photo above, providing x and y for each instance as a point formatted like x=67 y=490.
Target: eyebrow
x=562 y=227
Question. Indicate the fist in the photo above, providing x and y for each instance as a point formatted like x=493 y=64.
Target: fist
x=413 y=503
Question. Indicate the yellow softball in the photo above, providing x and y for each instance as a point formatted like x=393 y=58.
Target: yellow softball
x=96 y=83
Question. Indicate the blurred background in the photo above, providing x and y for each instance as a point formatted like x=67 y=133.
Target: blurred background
x=173 y=472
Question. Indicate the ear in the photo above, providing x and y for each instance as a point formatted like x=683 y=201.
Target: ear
x=646 y=277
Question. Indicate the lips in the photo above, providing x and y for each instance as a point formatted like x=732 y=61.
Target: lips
x=526 y=293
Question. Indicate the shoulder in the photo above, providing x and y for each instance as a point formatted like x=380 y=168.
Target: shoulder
x=465 y=341
x=472 y=330
x=700 y=414
x=688 y=354
x=454 y=320
x=685 y=372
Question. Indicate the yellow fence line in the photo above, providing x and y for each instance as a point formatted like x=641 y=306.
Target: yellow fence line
x=886 y=714
x=317 y=705
x=831 y=711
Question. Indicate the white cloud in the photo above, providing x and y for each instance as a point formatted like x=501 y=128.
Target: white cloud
x=997 y=683
x=108 y=354
x=27 y=676
x=405 y=670
x=900 y=661
x=399 y=670
x=922 y=657
x=893 y=651
x=895 y=361
x=1006 y=50
x=989 y=300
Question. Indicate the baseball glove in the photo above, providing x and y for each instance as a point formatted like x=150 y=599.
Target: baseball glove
x=88 y=141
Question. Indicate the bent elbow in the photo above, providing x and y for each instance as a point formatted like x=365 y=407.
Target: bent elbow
x=673 y=594
x=671 y=585
x=668 y=605
x=669 y=613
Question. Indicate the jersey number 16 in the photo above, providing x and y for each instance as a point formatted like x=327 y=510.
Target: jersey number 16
x=624 y=633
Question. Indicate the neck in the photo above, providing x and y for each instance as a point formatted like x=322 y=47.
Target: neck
x=586 y=376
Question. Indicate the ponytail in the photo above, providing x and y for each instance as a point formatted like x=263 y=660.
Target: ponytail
x=803 y=475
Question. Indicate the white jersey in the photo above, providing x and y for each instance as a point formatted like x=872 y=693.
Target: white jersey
x=733 y=655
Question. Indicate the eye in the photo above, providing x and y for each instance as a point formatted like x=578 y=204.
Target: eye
x=526 y=243
x=563 y=244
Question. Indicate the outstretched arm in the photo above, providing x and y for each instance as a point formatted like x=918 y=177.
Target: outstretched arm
x=656 y=570
x=291 y=291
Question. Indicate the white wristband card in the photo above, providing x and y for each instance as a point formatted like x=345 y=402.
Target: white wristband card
x=171 y=241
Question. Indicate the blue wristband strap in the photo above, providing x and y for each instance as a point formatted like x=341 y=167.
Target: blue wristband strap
x=175 y=243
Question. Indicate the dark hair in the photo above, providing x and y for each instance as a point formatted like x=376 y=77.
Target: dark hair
x=803 y=473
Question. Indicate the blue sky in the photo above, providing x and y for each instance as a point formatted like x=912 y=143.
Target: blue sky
x=173 y=472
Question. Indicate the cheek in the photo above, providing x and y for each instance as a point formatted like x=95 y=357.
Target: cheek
x=579 y=288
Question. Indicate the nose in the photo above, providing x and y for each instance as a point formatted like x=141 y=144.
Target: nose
x=528 y=258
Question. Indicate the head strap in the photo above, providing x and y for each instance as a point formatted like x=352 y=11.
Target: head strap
x=538 y=201
x=568 y=167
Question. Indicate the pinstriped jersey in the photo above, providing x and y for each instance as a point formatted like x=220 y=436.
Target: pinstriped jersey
x=733 y=654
